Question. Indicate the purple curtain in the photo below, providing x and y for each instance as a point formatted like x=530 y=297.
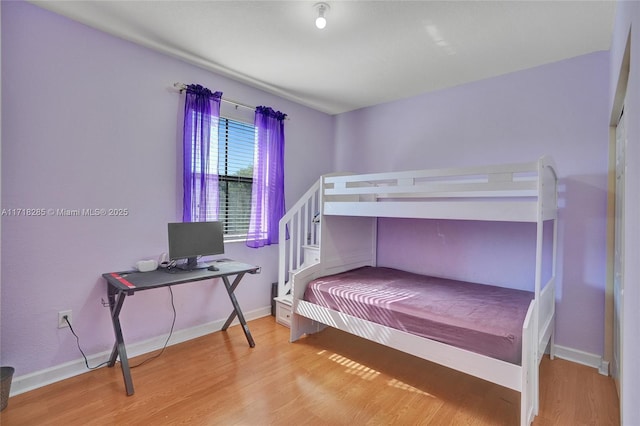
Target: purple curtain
x=200 y=161
x=267 y=194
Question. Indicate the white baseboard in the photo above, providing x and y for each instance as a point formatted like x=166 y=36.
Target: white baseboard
x=584 y=358
x=37 y=379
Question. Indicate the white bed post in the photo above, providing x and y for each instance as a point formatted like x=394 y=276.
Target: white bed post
x=554 y=263
x=544 y=165
x=538 y=282
x=529 y=368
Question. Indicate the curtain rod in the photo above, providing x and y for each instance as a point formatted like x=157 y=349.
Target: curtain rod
x=182 y=86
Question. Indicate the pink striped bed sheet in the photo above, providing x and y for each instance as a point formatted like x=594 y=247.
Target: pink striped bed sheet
x=481 y=318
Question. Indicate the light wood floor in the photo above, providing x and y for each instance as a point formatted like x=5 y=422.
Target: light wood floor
x=327 y=379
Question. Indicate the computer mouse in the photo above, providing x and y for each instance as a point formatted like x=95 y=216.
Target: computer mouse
x=213 y=268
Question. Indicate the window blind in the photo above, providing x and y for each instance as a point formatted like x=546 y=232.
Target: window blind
x=236 y=142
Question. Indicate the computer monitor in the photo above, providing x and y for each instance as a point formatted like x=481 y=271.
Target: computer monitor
x=190 y=240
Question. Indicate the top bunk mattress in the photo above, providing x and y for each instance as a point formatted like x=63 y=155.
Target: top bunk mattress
x=480 y=318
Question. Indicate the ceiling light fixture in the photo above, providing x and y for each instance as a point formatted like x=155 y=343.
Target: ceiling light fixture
x=322 y=8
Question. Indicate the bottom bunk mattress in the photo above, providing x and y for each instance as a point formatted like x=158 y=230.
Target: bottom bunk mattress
x=480 y=318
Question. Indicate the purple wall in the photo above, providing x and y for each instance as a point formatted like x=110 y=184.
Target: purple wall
x=464 y=250
x=89 y=121
x=558 y=109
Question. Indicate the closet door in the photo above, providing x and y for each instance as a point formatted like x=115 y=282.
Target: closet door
x=619 y=255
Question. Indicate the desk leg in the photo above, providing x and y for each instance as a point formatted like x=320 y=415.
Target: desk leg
x=118 y=347
x=236 y=308
x=233 y=286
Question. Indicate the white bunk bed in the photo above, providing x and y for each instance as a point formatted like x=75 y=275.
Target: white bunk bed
x=348 y=207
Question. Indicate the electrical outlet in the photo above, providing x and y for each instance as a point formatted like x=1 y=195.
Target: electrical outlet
x=61 y=321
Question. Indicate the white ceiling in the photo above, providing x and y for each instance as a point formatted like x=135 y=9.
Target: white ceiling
x=370 y=52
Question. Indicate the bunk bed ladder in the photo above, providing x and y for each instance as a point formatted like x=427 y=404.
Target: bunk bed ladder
x=298 y=228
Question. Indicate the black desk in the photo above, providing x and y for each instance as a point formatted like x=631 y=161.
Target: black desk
x=122 y=284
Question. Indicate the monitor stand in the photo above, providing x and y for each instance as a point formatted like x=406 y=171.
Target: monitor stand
x=192 y=264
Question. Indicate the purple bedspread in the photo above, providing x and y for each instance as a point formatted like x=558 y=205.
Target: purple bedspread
x=481 y=318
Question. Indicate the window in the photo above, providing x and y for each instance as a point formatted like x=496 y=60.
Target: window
x=236 y=141
x=218 y=156
x=234 y=177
